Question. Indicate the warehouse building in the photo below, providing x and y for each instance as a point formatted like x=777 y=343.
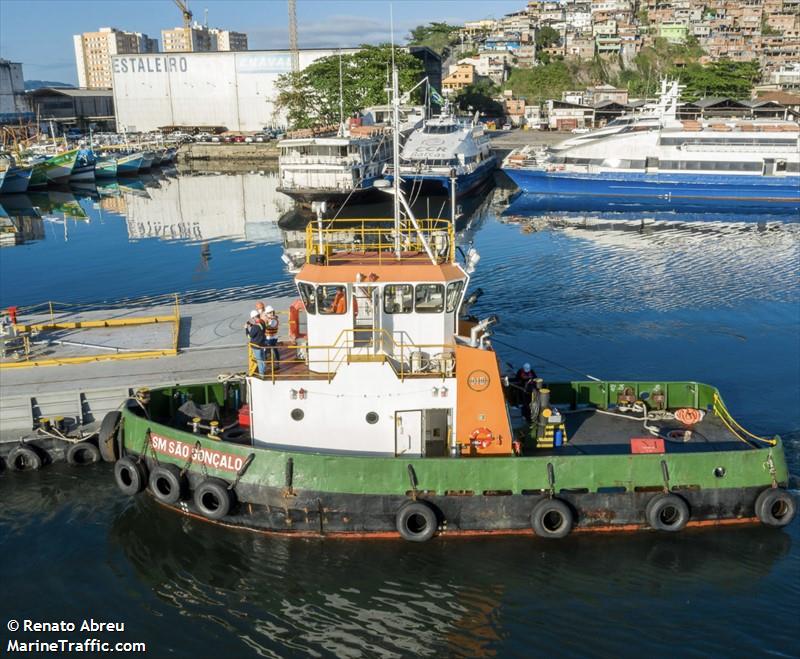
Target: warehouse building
x=231 y=89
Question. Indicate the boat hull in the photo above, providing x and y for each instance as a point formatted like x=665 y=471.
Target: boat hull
x=83 y=173
x=466 y=183
x=129 y=165
x=310 y=493
x=662 y=186
x=335 y=197
x=106 y=169
x=16 y=180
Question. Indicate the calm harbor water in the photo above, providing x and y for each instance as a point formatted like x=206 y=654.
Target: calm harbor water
x=608 y=290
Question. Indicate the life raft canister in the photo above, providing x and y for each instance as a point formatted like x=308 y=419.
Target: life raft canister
x=482 y=437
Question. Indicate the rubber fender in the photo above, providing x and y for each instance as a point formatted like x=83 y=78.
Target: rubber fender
x=552 y=519
x=213 y=499
x=130 y=475
x=776 y=507
x=107 y=436
x=167 y=483
x=416 y=522
x=667 y=512
x=24 y=458
x=83 y=453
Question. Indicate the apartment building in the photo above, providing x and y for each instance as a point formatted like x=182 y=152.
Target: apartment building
x=93 y=52
x=200 y=39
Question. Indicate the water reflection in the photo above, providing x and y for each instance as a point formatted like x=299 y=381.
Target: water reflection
x=450 y=596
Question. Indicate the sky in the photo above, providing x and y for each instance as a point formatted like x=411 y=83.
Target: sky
x=38 y=33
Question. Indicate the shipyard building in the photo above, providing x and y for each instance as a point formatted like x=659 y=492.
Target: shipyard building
x=231 y=89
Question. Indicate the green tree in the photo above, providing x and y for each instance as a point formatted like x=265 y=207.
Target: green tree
x=311 y=97
x=721 y=78
x=547 y=36
x=436 y=36
x=541 y=82
x=479 y=96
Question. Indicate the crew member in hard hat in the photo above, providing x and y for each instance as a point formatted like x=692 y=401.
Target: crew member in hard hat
x=270 y=319
x=256 y=337
x=526 y=378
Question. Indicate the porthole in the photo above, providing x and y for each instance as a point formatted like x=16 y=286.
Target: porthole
x=298 y=414
x=719 y=472
x=372 y=417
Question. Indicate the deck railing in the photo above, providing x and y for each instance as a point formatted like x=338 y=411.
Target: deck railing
x=407 y=359
x=376 y=240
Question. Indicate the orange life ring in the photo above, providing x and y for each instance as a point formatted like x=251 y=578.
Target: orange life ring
x=481 y=437
x=688 y=416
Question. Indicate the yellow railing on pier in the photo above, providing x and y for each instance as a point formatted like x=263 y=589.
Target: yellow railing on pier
x=21 y=346
x=378 y=241
x=301 y=361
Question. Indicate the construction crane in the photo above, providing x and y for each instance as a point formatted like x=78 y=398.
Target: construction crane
x=292 y=36
x=187 y=15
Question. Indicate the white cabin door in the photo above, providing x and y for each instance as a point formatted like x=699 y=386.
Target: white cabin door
x=408 y=432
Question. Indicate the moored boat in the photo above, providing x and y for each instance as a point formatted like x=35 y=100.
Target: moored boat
x=389 y=415
x=13 y=178
x=147 y=160
x=84 y=169
x=106 y=168
x=129 y=164
x=52 y=169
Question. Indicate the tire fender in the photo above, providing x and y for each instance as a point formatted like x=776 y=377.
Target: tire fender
x=552 y=519
x=416 y=522
x=130 y=475
x=667 y=512
x=107 y=436
x=775 y=507
x=167 y=483
x=24 y=458
x=83 y=453
x=213 y=499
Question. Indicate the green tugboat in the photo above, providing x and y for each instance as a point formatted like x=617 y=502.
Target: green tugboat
x=389 y=416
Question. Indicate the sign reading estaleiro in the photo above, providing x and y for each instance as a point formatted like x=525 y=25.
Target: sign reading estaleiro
x=208 y=457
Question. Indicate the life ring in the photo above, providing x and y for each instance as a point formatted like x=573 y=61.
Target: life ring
x=689 y=416
x=482 y=437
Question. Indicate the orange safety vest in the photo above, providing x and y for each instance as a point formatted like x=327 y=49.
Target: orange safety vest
x=271 y=328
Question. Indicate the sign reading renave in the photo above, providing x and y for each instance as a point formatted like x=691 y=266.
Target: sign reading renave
x=209 y=457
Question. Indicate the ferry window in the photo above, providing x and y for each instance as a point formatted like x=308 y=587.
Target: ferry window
x=453 y=295
x=430 y=298
x=331 y=299
x=397 y=298
x=307 y=296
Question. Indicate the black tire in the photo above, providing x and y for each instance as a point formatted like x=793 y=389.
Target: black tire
x=552 y=519
x=130 y=475
x=167 y=483
x=416 y=522
x=775 y=507
x=667 y=512
x=83 y=453
x=107 y=436
x=24 y=458
x=213 y=499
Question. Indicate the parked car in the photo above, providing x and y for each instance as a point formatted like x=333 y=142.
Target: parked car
x=580 y=131
x=506 y=126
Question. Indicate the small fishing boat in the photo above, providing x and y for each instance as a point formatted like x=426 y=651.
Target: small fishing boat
x=13 y=178
x=129 y=164
x=387 y=414
x=84 y=169
x=106 y=167
x=52 y=169
x=147 y=160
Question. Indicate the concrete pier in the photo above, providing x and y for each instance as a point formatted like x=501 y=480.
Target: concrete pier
x=211 y=341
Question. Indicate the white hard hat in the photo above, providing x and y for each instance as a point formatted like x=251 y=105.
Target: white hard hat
x=268 y=309
x=254 y=314
x=526 y=366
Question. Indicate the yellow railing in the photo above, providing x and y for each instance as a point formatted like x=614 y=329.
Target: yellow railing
x=57 y=317
x=376 y=240
x=302 y=361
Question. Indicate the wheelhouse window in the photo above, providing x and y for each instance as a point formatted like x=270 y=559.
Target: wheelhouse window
x=331 y=299
x=308 y=298
x=453 y=295
x=398 y=298
x=429 y=298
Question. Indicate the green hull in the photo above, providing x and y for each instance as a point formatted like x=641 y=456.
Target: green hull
x=55 y=170
x=487 y=492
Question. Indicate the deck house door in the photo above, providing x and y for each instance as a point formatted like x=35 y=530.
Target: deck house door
x=408 y=433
